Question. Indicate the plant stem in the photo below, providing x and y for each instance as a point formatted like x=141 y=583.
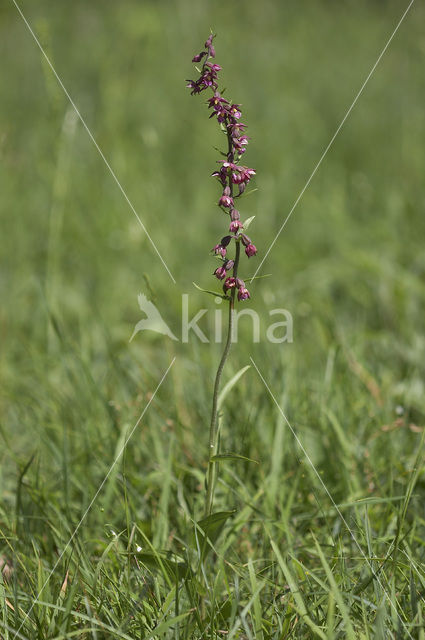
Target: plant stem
x=213 y=442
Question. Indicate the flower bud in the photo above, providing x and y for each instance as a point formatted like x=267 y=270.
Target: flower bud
x=234 y=214
x=245 y=239
x=208 y=43
x=220 y=272
x=199 y=57
x=229 y=264
x=225 y=241
x=250 y=250
x=240 y=283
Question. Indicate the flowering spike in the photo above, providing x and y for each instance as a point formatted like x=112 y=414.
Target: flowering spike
x=231 y=173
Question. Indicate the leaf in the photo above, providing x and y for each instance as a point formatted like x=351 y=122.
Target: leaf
x=248 y=222
x=208 y=530
x=296 y=592
x=231 y=456
x=337 y=594
x=266 y=275
x=229 y=386
x=222 y=153
x=247 y=193
x=212 y=293
x=165 y=561
x=166 y=624
x=413 y=594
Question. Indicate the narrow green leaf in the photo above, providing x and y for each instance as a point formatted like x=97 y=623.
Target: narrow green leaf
x=248 y=222
x=231 y=456
x=212 y=293
x=166 y=562
x=413 y=594
x=229 y=386
x=300 y=605
x=349 y=630
x=266 y=275
x=163 y=626
x=256 y=616
x=208 y=530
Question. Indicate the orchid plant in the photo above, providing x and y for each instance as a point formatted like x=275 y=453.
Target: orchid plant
x=233 y=178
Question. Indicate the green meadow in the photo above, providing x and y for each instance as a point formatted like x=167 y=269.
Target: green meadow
x=320 y=501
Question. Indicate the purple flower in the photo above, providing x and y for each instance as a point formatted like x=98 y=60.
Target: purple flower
x=242 y=174
x=229 y=283
x=215 y=68
x=195 y=86
x=219 y=250
x=221 y=115
x=235 y=225
x=219 y=106
x=250 y=250
x=234 y=111
x=234 y=214
x=208 y=79
x=216 y=99
x=236 y=128
x=230 y=165
x=243 y=294
x=225 y=201
x=240 y=144
x=220 y=272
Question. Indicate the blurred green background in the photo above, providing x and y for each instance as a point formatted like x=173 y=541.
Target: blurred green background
x=349 y=265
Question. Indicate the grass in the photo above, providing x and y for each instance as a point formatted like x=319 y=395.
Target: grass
x=287 y=559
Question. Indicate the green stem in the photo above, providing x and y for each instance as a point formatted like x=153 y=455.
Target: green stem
x=213 y=441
